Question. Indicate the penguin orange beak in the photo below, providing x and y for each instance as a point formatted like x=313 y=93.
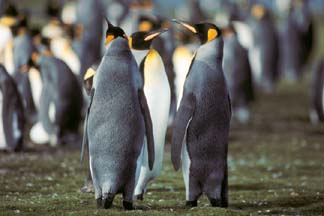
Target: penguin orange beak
x=154 y=34
x=186 y=25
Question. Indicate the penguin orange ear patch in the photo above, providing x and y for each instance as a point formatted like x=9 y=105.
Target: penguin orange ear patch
x=145 y=26
x=34 y=56
x=258 y=11
x=90 y=73
x=212 y=34
x=109 y=38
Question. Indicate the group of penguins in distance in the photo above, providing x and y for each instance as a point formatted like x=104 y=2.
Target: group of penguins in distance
x=128 y=96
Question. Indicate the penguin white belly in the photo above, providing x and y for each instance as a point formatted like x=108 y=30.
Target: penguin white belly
x=51 y=112
x=2 y=134
x=158 y=96
x=62 y=50
x=5 y=38
x=36 y=85
x=185 y=162
x=38 y=134
x=256 y=65
x=182 y=58
x=8 y=57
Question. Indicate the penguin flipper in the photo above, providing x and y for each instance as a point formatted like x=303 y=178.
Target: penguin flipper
x=85 y=141
x=182 y=120
x=148 y=128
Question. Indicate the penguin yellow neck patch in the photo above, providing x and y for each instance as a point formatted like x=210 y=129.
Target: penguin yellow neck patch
x=109 y=38
x=90 y=73
x=212 y=34
x=130 y=42
x=145 y=26
x=7 y=21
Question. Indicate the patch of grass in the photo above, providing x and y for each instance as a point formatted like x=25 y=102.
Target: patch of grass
x=276 y=166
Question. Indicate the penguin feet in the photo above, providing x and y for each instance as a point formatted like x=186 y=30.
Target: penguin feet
x=192 y=203
x=215 y=202
x=128 y=205
x=107 y=200
x=88 y=187
x=140 y=196
x=99 y=201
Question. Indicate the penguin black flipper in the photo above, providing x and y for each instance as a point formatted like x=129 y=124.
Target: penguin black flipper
x=85 y=141
x=182 y=119
x=148 y=128
x=14 y=116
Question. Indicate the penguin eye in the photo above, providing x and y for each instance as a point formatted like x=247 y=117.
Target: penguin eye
x=212 y=34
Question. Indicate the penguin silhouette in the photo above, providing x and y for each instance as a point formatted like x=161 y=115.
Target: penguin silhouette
x=12 y=120
x=158 y=96
x=201 y=127
x=60 y=102
x=238 y=75
x=116 y=123
x=22 y=50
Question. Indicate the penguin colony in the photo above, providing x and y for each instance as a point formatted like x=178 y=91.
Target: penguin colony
x=140 y=84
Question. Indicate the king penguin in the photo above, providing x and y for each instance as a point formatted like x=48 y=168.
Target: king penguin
x=117 y=120
x=201 y=127
x=11 y=114
x=238 y=75
x=60 y=101
x=158 y=95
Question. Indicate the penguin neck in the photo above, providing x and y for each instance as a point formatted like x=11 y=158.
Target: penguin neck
x=212 y=50
x=154 y=69
x=139 y=55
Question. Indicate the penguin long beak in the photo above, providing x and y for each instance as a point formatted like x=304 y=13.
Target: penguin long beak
x=153 y=34
x=186 y=25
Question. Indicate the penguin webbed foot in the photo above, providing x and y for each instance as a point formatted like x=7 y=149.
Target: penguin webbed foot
x=107 y=200
x=191 y=204
x=140 y=196
x=217 y=203
x=99 y=202
x=128 y=205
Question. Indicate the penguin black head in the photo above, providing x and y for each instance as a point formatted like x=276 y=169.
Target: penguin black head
x=142 y=40
x=205 y=31
x=53 y=9
x=113 y=32
x=150 y=23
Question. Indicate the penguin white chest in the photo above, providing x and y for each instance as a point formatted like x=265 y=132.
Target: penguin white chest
x=2 y=135
x=182 y=58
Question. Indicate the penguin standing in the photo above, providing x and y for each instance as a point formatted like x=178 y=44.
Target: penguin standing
x=201 y=128
x=238 y=75
x=158 y=96
x=164 y=45
x=259 y=36
x=317 y=94
x=116 y=122
x=90 y=15
x=11 y=114
x=297 y=40
x=22 y=50
x=60 y=102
